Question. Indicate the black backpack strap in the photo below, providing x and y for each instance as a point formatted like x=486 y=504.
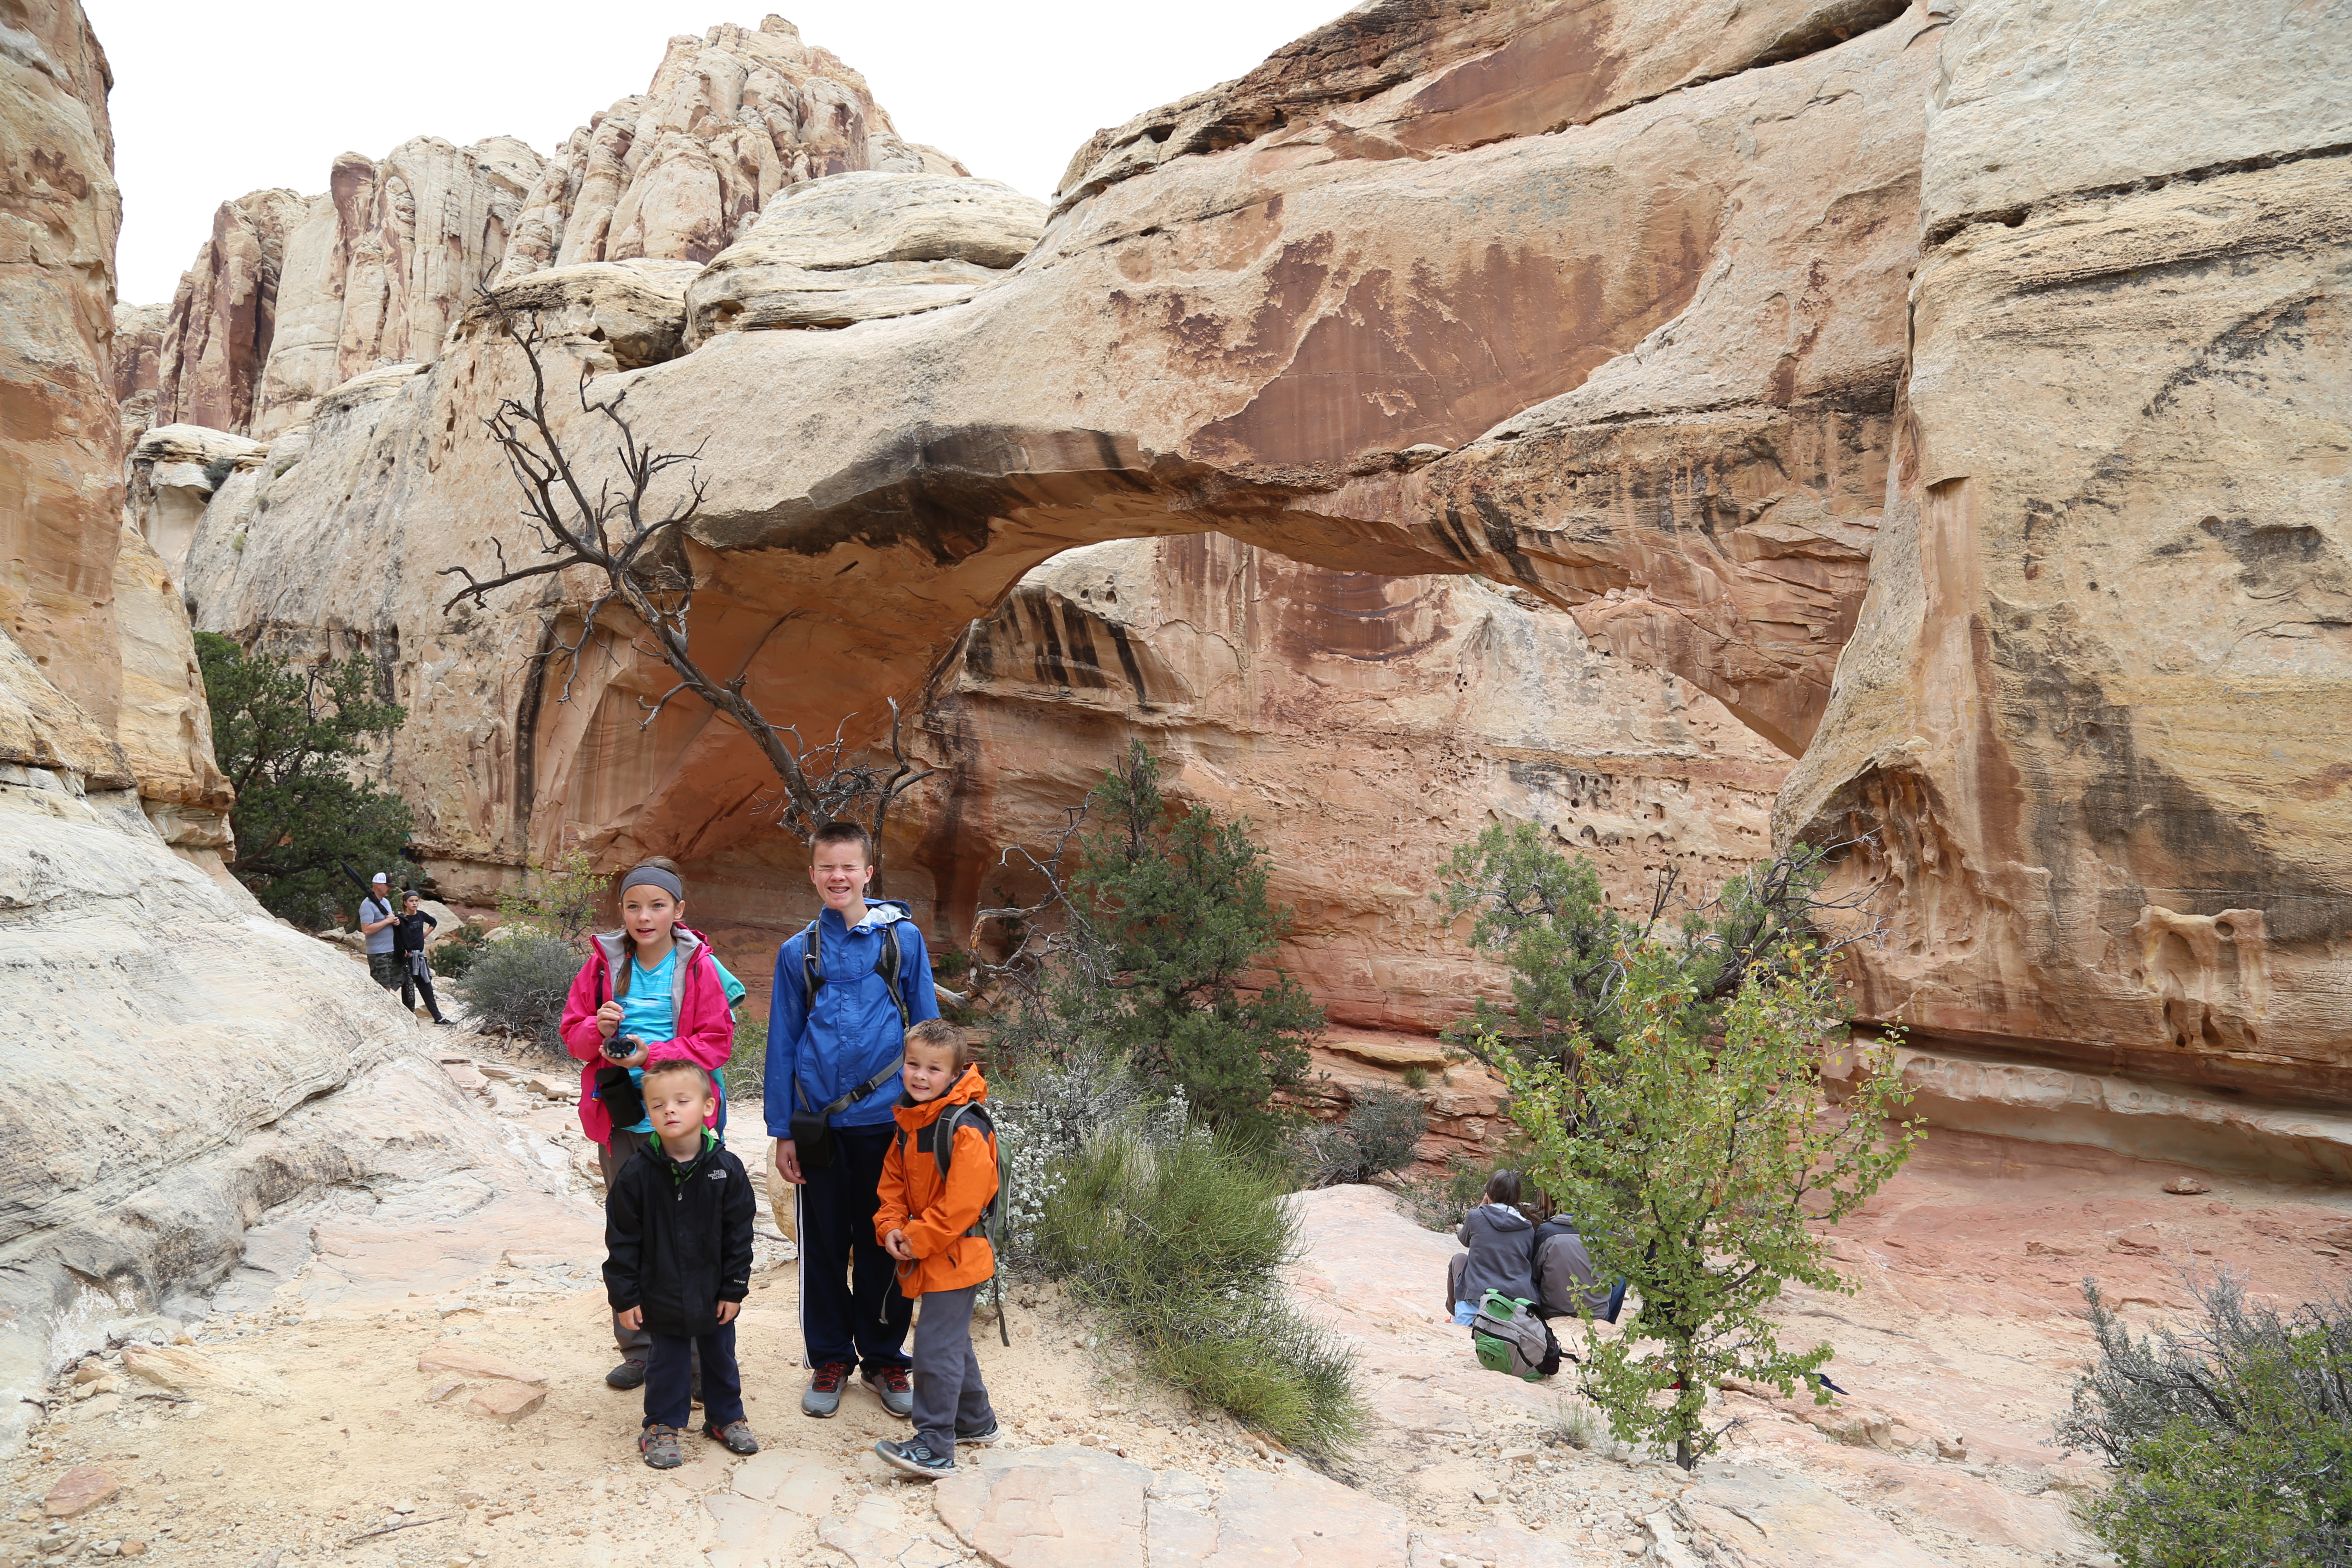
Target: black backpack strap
x=810 y=976
x=887 y=966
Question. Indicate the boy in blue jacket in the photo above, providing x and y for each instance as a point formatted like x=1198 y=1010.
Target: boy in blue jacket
x=845 y=989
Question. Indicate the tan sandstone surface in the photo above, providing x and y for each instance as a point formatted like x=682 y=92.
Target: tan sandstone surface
x=2095 y=711
x=356 y=1377
x=1650 y=315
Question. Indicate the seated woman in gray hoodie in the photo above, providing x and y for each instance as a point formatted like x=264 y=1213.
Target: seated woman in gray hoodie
x=1502 y=1243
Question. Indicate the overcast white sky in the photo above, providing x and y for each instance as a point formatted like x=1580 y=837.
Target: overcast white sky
x=215 y=98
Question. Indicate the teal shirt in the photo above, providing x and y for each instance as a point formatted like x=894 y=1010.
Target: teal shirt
x=646 y=1013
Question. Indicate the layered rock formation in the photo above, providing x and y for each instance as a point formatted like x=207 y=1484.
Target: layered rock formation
x=1614 y=305
x=2093 y=716
x=293 y=295
x=859 y=247
x=197 y=1064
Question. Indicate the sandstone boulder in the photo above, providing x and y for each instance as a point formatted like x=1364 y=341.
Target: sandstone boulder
x=79 y=1490
x=636 y=309
x=175 y=471
x=858 y=246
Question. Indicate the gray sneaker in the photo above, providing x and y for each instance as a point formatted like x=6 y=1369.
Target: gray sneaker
x=987 y=1436
x=823 y=1395
x=890 y=1386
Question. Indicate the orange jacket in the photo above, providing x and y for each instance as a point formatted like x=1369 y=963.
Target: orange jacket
x=933 y=1213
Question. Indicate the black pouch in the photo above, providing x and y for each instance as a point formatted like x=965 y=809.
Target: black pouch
x=620 y=1096
x=813 y=1130
x=811 y=1140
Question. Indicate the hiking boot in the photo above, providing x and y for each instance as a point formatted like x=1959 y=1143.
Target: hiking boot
x=630 y=1373
x=915 y=1456
x=658 y=1443
x=735 y=1435
x=986 y=1437
x=823 y=1395
x=890 y=1386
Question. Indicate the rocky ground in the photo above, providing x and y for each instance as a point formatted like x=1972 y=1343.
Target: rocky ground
x=373 y=1392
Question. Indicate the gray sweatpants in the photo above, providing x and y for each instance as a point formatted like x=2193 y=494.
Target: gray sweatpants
x=948 y=1394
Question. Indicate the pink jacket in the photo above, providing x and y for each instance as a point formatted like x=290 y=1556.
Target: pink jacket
x=704 y=1028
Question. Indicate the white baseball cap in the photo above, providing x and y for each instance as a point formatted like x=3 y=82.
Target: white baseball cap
x=382 y=878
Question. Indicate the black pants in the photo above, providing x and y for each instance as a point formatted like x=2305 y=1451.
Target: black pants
x=411 y=984
x=669 y=1375
x=851 y=1307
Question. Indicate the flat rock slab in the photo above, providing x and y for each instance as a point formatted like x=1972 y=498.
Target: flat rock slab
x=468 y=1363
x=82 y=1488
x=1079 y=1507
x=1048 y=1508
x=507 y=1403
x=174 y=1367
x=801 y=1482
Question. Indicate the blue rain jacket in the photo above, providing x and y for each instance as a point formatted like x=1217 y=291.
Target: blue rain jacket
x=856 y=1030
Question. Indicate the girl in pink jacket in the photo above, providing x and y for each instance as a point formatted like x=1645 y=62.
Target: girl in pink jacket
x=649 y=992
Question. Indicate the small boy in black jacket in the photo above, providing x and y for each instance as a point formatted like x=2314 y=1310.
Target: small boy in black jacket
x=678 y=1263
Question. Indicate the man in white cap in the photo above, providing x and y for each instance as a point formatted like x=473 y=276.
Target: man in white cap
x=377 y=918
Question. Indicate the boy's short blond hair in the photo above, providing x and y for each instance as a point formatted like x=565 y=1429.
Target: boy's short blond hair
x=939 y=1034
x=670 y=1066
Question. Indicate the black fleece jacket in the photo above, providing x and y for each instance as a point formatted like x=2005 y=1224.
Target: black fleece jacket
x=677 y=1237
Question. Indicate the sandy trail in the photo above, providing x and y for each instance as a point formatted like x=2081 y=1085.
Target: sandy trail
x=300 y=1423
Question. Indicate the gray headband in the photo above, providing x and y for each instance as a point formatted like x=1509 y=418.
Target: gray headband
x=654 y=877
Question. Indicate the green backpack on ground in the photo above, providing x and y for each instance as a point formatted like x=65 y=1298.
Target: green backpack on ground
x=1509 y=1338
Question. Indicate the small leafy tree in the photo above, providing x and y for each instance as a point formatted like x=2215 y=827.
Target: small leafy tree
x=1179 y=905
x=563 y=902
x=288 y=739
x=2232 y=1442
x=1700 y=1167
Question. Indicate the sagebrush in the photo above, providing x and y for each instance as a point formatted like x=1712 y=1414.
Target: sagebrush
x=2231 y=1440
x=518 y=986
x=1379 y=1132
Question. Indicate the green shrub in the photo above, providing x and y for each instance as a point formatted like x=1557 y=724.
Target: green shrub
x=1381 y=1133
x=561 y=900
x=1046 y=1112
x=518 y=984
x=454 y=956
x=1178 y=1239
x=2232 y=1442
x=292 y=740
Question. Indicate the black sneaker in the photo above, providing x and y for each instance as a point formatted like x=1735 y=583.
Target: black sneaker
x=986 y=1437
x=630 y=1373
x=915 y=1456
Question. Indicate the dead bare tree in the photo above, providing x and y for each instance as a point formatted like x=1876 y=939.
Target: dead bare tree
x=637 y=547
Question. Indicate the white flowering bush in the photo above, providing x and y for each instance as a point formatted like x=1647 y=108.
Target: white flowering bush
x=1045 y=1115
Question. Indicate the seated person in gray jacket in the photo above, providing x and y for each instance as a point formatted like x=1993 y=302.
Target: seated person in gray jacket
x=1502 y=1255
x=1564 y=1277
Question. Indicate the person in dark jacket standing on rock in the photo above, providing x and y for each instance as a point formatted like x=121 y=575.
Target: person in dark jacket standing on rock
x=678 y=1263
x=1502 y=1243
x=410 y=934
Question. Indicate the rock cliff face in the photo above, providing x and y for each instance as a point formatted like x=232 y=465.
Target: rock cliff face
x=294 y=295
x=2094 y=712
x=1656 y=318
x=211 y=1064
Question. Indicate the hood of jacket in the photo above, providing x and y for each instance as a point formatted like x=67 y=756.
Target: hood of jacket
x=916 y=1114
x=618 y=950
x=1502 y=1216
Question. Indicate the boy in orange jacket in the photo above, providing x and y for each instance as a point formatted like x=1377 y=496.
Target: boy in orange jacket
x=929 y=1221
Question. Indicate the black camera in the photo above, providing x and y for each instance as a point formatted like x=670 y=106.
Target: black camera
x=623 y=1047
